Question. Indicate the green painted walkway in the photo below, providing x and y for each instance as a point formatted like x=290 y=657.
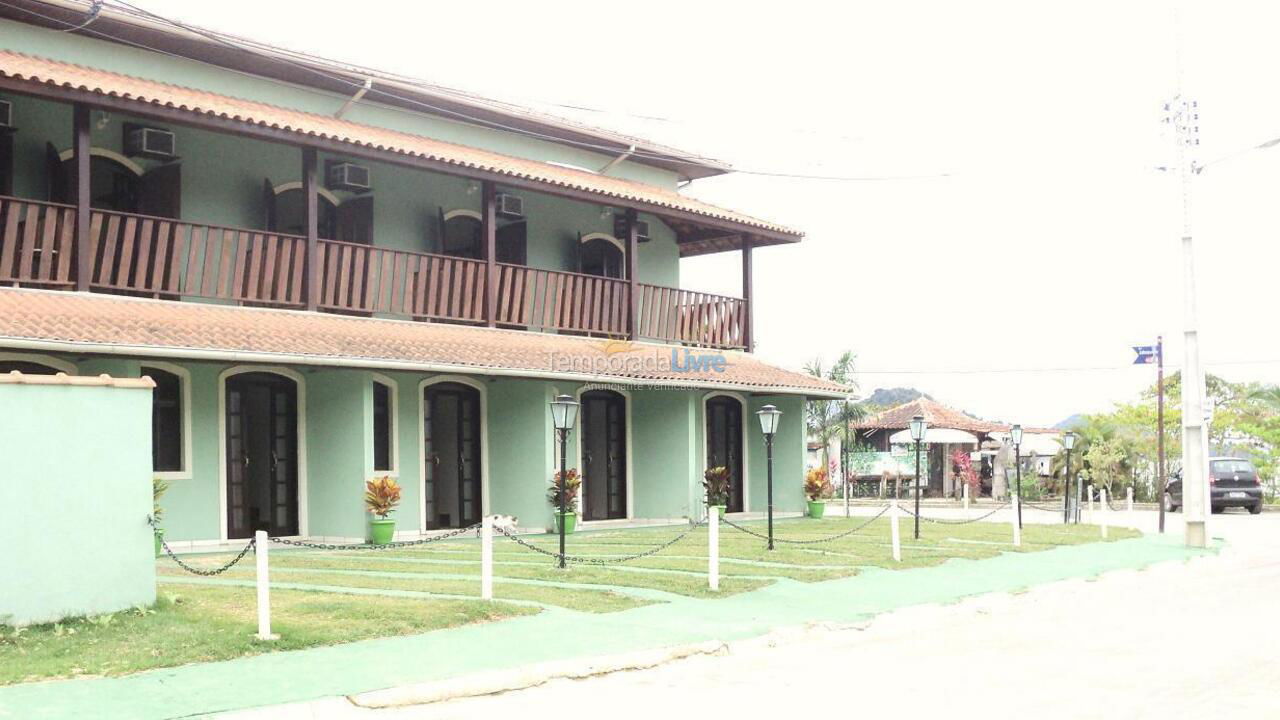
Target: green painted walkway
x=558 y=634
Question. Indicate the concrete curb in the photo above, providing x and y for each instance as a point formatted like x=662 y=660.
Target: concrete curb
x=490 y=683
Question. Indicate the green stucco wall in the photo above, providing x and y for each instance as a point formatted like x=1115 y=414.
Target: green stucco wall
x=75 y=494
x=667 y=447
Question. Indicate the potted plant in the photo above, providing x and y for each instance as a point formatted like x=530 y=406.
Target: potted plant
x=381 y=496
x=816 y=488
x=715 y=481
x=570 y=484
x=158 y=489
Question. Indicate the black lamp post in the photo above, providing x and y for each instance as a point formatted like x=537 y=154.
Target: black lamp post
x=1015 y=434
x=1068 y=443
x=769 y=426
x=918 y=428
x=564 y=413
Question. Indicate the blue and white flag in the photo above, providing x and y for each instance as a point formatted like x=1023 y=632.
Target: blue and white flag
x=1146 y=354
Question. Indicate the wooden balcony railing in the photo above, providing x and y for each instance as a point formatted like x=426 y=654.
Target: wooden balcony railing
x=362 y=278
x=36 y=243
x=692 y=318
x=165 y=258
x=137 y=254
x=556 y=300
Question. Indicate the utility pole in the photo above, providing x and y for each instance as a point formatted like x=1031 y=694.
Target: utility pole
x=1184 y=116
x=1161 y=483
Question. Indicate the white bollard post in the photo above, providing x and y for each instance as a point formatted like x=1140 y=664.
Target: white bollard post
x=486 y=558
x=1090 y=519
x=1079 y=501
x=1017 y=531
x=894 y=513
x=1128 y=501
x=260 y=545
x=966 y=497
x=1102 y=511
x=713 y=548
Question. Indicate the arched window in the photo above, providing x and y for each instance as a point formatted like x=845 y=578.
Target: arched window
x=167 y=421
x=287 y=211
x=600 y=254
x=26 y=368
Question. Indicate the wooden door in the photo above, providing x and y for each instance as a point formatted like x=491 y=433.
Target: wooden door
x=262 y=455
x=160 y=191
x=451 y=446
x=724 y=445
x=604 y=455
x=354 y=220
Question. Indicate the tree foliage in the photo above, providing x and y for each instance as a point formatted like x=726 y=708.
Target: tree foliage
x=824 y=418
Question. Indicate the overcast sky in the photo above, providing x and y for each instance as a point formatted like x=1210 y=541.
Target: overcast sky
x=1023 y=226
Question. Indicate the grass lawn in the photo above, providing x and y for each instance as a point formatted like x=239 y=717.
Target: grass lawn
x=212 y=622
x=202 y=623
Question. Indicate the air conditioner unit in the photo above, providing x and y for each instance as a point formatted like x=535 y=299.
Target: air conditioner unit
x=348 y=176
x=6 y=115
x=620 y=228
x=510 y=205
x=150 y=142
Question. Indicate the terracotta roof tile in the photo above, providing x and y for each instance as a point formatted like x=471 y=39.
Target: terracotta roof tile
x=40 y=70
x=77 y=322
x=935 y=414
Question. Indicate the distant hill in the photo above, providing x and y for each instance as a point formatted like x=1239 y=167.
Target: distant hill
x=889 y=397
x=1070 y=422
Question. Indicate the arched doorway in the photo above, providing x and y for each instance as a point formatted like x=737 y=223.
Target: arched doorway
x=117 y=183
x=724 y=445
x=451 y=447
x=601 y=255
x=604 y=455
x=262 y=455
x=462 y=235
x=287 y=210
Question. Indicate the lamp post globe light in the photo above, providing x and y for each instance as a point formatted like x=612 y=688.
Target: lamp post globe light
x=1015 y=434
x=1068 y=444
x=918 y=428
x=769 y=416
x=564 y=413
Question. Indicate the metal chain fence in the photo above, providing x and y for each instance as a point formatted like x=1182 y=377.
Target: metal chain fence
x=940 y=521
x=588 y=560
x=206 y=572
x=813 y=541
x=371 y=546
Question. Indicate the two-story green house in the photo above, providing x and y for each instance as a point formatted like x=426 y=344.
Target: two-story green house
x=334 y=274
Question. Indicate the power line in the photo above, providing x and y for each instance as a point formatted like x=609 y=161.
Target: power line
x=1051 y=370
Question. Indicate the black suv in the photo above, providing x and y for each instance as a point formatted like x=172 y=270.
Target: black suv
x=1233 y=482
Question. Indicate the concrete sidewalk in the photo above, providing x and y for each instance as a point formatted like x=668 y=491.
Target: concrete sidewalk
x=557 y=635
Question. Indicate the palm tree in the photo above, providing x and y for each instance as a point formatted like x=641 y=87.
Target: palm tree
x=824 y=418
x=1269 y=396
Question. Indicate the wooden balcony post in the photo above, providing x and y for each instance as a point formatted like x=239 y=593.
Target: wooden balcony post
x=80 y=147
x=311 y=203
x=633 y=243
x=748 y=333
x=489 y=234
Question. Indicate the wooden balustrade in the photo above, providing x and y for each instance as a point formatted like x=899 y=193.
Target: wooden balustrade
x=362 y=278
x=555 y=300
x=36 y=243
x=693 y=318
x=159 y=257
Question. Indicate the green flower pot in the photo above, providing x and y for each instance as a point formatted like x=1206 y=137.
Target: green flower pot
x=382 y=531
x=718 y=508
x=570 y=520
x=816 y=508
x=159 y=542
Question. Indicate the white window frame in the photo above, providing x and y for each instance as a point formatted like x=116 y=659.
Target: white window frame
x=393 y=411
x=184 y=396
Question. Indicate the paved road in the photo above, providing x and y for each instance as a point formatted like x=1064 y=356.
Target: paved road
x=1193 y=640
